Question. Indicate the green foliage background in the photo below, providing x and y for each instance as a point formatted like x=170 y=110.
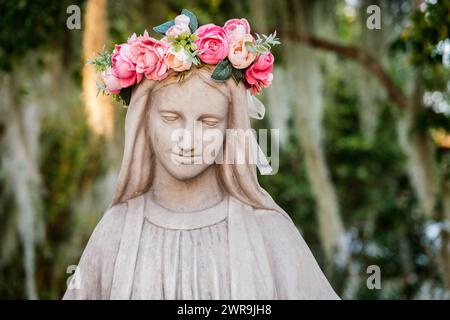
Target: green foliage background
x=377 y=201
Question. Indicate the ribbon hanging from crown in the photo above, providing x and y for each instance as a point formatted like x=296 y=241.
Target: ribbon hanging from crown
x=257 y=110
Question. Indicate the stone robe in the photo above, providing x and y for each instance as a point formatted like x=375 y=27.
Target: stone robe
x=140 y=250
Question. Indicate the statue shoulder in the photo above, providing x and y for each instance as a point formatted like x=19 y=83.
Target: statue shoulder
x=105 y=239
x=112 y=220
x=281 y=234
x=278 y=221
x=96 y=265
x=297 y=273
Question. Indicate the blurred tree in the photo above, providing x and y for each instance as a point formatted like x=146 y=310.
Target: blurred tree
x=369 y=91
x=99 y=108
x=304 y=68
x=25 y=83
x=326 y=107
x=40 y=64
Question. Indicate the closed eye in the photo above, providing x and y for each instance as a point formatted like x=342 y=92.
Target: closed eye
x=210 y=122
x=170 y=116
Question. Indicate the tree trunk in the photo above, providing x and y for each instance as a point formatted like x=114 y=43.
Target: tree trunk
x=305 y=81
x=419 y=149
x=368 y=88
x=445 y=235
x=277 y=95
x=20 y=116
x=99 y=108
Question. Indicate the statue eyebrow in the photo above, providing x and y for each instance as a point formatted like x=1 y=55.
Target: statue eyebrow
x=170 y=109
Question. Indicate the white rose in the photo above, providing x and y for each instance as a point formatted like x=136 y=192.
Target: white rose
x=177 y=29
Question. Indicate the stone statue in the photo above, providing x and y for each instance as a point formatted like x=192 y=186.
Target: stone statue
x=182 y=228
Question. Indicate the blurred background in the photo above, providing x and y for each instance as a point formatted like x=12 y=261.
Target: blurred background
x=363 y=114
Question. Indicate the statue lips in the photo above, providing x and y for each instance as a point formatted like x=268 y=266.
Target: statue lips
x=186 y=158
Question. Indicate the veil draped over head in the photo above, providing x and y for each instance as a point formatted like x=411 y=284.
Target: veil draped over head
x=137 y=169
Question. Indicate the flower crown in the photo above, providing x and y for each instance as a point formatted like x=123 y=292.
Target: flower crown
x=234 y=51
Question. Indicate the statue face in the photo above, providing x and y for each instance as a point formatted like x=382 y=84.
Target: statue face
x=187 y=126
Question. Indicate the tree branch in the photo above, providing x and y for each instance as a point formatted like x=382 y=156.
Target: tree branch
x=358 y=55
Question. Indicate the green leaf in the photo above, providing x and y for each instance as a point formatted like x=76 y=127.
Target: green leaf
x=193 y=24
x=238 y=75
x=223 y=71
x=162 y=28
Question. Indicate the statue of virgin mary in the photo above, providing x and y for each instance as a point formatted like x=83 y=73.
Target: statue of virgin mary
x=179 y=228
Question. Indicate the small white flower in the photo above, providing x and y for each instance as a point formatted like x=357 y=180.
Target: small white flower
x=182 y=19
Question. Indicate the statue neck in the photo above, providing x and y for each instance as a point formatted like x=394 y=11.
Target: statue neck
x=203 y=191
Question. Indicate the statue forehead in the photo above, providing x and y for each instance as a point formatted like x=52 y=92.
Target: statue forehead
x=193 y=89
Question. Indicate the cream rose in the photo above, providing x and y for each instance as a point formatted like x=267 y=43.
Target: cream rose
x=178 y=61
x=239 y=56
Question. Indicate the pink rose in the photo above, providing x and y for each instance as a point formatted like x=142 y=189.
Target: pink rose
x=239 y=56
x=214 y=41
x=259 y=74
x=148 y=55
x=112 y=83
x=165 y=42
x=123 y=66
x=236 y=28
x=134 y=38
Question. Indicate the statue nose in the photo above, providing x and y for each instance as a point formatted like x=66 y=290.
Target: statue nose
x=187 y=147
x=188 y=142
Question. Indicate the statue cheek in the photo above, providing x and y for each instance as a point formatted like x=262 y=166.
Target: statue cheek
x=212 y=144
x=160 y=135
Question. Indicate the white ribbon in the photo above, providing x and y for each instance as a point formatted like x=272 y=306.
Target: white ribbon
x=256 y=110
